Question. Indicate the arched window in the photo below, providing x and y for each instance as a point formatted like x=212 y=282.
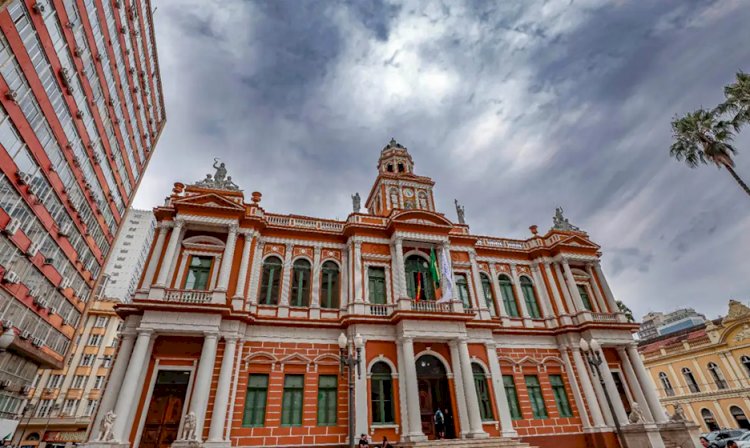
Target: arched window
x=529 y=298
x=489 y=298
x=666 y=384
x=690 y=380
x=718 y=376
x=329 y=288
x=419 y=282
x=301 y=284
x=509 y=298
x=33 y=436
x=269 y=287
x=483 y=392
x=462 y=289
x=708 y=419
x=745 y=360
x=584 y=293
x=381 y=399
x=739 y=417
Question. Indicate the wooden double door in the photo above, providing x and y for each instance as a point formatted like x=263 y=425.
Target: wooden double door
x=434 y=394
x=166 y=409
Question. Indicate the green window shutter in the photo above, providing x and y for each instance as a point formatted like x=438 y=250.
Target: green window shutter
x=197 y=276
x=512 y=396
x=509 y=298
x=329 y=294
x=535 y=397
x=255 y=401
x=376 y=285
x=463 y=289
x=561 y=398
x=327 y=393
x=291 y=405
x=381 y=394
x=530 y=298
x=585 y=297
x=483 y=394
x=489 y=298
x=269 y=287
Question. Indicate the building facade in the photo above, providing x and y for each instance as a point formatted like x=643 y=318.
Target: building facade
x=129 y=254
x=705 y=370
x=658 y=324
x=231 y=338
x=62 y=402
x=81 y=110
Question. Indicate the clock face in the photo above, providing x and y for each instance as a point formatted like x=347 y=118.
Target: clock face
x=408 y=193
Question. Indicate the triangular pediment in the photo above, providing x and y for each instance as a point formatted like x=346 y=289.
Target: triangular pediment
x=577 y=241
x=209 y=200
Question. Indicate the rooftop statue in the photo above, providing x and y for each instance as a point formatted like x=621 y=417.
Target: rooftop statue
x=460 y=212
x=560 y=222
x=219 y=179
x=356 y=202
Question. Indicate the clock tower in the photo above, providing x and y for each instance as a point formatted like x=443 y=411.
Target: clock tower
x=397 y=187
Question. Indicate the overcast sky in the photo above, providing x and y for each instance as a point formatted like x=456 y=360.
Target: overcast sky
x=514 y=108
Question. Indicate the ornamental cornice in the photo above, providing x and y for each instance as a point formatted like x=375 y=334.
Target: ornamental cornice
x=509 y=261
x=419 y=236
x=197 y=219
x=378 y=257
x=405 y=183
x=369 y=239
x=712 y=395
x=300 y=242
x=575 y=257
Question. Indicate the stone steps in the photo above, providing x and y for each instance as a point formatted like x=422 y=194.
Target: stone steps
x=500 y=442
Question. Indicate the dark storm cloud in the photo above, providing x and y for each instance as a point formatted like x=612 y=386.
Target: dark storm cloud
x=513 y=108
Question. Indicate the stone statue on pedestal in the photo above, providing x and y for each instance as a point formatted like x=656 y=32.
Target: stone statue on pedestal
x=636 y=414
x=560 y=222
x=188 y=430
x=356 y=202
x=460 y=212
x=105 y=428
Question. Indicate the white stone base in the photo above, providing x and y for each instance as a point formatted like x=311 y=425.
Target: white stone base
x=219 y=444
x=477 y=435
x=416 y=438
x=187 y=444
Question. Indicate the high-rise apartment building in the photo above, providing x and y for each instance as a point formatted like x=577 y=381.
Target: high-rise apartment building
x=81 y=110
x=655 y=324
x=129 y=255
x=63 y=401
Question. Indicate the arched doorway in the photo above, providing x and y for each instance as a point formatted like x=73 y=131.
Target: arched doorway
x=434 y=394
x=739 y=417
x=419 y=282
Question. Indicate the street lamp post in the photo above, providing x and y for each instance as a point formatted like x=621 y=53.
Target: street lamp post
x=591 y=351
x=350 y=360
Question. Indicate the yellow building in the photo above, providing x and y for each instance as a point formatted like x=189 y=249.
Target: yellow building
x=62 y=403
x=705 y=369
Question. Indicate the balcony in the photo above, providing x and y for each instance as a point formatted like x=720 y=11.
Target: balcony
x=186 y=296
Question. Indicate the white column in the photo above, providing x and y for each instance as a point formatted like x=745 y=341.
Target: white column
x=127 y=396
x=287 y=272
x=458 y=385
x=703 y=382
x=498 y=387
x=470 y=391
x=447 y=249
x=219 y=415
x=601 y=399
x=148 y=279
x=611 y=303
x=478 y=290
x=541 y=289
x=315 y=278
x=227 y=259
x=597 y=292
x=358 y=287
x=252 y=291
x=566 y=291
x=412 y=393
x=496 y=292
x=239 y=292
x=199 y=400
x=555 y=291
x=647 y=384
x=169 y=257
x=572 y=286
x=580 y=404
x=732 y=367
x=519 y=294
x=614 y=395
x=635 y=385
x=588 y=388
x=361 y=399
x=402 y=394
x=114 y=383
x=345 y=279
x=400 y=268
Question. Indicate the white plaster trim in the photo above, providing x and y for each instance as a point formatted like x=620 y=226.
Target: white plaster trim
x=446 y=365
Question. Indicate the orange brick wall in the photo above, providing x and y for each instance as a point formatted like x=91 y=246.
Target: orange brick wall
x=542 y=363
x=273 y=434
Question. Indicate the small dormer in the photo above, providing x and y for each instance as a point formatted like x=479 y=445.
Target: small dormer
x=397 y=187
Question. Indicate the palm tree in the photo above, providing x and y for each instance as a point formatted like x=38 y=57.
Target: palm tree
x=737 y=101
x=700 y=137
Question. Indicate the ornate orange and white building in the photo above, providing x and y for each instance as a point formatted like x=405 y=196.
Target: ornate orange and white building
x=233 y=330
